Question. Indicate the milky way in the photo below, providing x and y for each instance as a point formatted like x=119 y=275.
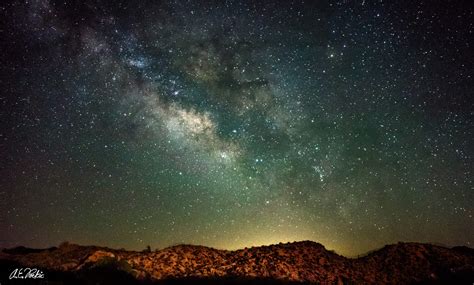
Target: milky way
x=233 y=124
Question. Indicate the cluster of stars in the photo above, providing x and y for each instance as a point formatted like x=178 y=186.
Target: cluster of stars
x=236 y=124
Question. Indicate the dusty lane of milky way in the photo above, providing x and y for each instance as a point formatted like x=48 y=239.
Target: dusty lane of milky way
x=231 y=124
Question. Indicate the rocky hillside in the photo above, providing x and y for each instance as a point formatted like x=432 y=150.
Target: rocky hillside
x=309 y=262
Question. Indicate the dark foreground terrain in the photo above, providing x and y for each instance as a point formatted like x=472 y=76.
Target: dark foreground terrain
x=291 y=263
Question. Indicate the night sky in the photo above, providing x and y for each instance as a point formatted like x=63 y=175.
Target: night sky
x=233 y=124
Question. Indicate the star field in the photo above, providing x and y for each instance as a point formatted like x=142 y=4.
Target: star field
x=233 y=124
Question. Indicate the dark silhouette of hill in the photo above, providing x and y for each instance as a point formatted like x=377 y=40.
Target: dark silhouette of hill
x=290 y=263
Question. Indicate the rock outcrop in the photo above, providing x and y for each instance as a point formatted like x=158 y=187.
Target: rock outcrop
x=310 y=262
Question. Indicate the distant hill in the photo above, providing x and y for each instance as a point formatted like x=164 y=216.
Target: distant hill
x=298 y=262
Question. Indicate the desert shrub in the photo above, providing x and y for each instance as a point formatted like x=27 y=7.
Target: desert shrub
x=147 y=249
x=108 y=270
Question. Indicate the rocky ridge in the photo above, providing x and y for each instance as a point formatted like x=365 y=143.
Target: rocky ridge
x=310 y=262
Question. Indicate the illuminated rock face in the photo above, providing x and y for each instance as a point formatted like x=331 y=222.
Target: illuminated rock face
x=402 y=263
